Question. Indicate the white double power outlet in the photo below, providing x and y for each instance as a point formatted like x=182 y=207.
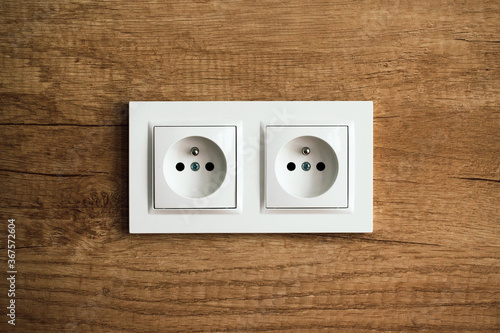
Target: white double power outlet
x=251 y=167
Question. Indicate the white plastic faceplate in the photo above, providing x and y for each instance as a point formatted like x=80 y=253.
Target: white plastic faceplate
x=253 y=181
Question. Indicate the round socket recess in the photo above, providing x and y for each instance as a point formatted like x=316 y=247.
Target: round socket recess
x=205 y=180
x=304 y=182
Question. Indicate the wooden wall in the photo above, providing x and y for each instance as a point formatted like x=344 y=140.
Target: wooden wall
x=432 y=68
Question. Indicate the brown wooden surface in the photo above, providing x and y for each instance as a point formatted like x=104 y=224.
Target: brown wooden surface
x=432 y=68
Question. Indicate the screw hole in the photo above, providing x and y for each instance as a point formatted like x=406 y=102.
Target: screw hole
x=290 y=166
x=306 y=166
x=179 y=166
x=195 y=166
x=209 y=166
x=320 y=166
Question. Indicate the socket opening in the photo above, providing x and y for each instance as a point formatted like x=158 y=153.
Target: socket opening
x=200 y=181
x=316 y=175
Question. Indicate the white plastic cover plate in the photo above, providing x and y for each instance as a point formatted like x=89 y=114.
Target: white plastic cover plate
x=318 y=179
x=183 y=180
x=252 y=172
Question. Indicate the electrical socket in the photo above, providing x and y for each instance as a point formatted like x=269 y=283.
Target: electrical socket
x=307 y=167
x=251 y=145
x=194 y=167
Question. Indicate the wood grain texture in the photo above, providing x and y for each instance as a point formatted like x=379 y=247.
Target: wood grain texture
x=432 y=69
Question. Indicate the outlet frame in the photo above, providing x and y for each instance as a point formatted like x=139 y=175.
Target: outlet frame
x=336 y=197
x=224 y=197
x=250 y=119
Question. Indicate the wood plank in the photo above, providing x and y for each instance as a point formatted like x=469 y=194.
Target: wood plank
x=61 y=65
x=212 y=279
x=431 y=67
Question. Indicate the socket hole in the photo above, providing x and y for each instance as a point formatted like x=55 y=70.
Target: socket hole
x=290 y=166
x=320 y=166
x=209 y=166
x=179 y=166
